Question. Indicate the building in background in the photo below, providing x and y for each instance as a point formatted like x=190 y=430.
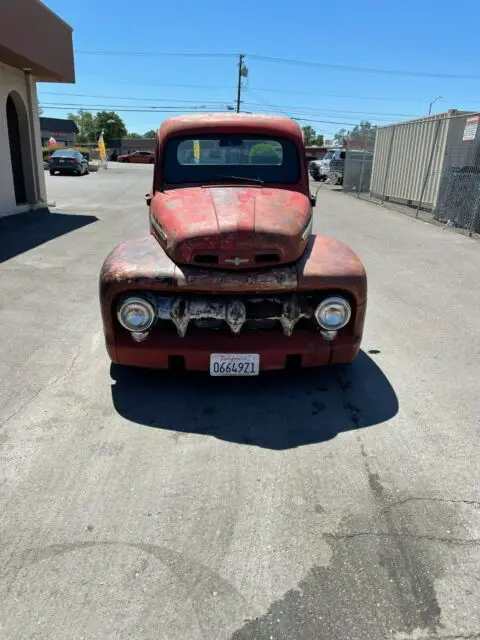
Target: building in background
x=315 y=152
x=63 y=131
x=35 y=45
x=119 y=146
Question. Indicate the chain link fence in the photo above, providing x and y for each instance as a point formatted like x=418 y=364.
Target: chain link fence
x=358 y=166
x=428 y=168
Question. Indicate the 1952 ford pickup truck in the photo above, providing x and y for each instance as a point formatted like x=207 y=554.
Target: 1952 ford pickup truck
x=230 y=278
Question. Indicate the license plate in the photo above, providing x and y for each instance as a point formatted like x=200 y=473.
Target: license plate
x=234 y=364
x=61 y=161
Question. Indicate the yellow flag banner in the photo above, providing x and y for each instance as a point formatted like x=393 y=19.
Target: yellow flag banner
x=196 y=150
x=101 y=148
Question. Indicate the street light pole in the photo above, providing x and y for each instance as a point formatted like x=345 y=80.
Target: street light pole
x=432 y=103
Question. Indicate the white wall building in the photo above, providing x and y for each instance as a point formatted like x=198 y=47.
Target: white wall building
x=25 y=57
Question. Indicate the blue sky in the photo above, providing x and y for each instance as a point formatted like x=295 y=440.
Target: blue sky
x=424 y=36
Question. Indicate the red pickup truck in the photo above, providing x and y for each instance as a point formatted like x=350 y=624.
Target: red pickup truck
x=230 y=278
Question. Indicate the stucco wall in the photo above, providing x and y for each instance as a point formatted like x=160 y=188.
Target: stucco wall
x=37 y=139
x=12 y=80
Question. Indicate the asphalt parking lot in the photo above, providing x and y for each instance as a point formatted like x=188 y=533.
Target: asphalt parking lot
x=336 y=504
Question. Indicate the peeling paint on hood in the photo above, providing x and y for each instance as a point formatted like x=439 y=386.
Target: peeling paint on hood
x=232 y=222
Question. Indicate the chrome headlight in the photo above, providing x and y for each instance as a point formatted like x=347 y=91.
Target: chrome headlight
x=136 y=314
x=333 y=314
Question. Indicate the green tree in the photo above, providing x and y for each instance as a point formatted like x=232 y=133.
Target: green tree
x=133 y=135
x=86 y=125
x=111 y=124
x=365 y=131
x=91 y=126
x=311 y=137
x=265 y=153
x=341 y=135
x=151 y=133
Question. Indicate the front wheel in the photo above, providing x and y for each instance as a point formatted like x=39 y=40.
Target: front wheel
x=52 y=173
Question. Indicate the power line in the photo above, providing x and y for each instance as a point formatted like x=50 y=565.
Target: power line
x=296 y=115
x=152 y=110
x=288 y=61
x=156 y=54
x=349 y=124
x=348 y=111
x=216 y=87
x=268 y=104
x=113 y=107
x=336 y=95
x=281 y=108
x=163 y=84
x=311 y=117
x=304 y=117
x=172 y=109
x=337 y=67
x=162 y=110
x=91 y=95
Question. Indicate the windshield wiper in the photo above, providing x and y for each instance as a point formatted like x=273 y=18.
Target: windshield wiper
x=240 y=179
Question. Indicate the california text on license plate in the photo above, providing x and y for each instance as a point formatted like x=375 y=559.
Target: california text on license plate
x=234 y=364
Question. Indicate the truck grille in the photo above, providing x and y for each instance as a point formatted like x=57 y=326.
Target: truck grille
x=214 y=259
x=235 y=314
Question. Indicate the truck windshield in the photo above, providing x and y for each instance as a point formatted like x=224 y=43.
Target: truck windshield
x=217 y=158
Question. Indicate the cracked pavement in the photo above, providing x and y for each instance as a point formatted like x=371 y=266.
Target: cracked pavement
x=340 y=504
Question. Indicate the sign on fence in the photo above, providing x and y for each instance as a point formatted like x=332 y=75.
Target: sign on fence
x=471 y=126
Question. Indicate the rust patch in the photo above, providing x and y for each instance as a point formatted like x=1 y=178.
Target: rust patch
x=233 y=221
x=217 y=281
x=287 y=309
x=329 y=264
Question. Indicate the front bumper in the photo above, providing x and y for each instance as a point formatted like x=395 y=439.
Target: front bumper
x=192 y=353
x=327 y=267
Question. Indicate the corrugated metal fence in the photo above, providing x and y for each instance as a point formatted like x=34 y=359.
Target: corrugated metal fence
x=430 y=166
x=408 y=161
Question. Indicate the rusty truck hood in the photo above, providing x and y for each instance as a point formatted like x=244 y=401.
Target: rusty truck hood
x=231 y=227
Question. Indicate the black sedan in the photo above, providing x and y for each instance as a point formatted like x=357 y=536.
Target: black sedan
x=68 y=161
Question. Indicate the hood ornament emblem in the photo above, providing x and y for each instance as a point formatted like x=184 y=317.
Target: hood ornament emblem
x=237 y=261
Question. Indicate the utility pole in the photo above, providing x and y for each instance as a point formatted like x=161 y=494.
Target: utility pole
x=240 y=74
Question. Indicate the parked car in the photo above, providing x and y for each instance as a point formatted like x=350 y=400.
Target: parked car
x=337 y=166
x=324 y=165
x=315 y=171
x=230 y=278
x=67 y=161
x=143 y=157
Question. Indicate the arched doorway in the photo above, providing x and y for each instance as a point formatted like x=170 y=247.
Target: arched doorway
x=20 y=155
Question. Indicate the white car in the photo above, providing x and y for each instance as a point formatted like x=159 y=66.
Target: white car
x=336 y=155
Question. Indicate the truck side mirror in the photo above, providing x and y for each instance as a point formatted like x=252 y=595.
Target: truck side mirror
x=313 y=200
x=148 y=199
